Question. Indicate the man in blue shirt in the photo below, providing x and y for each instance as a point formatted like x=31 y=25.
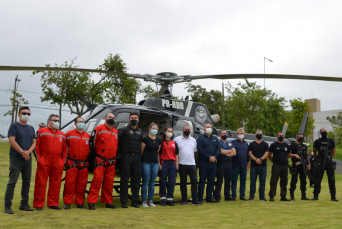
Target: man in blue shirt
x=22 y=139
x=240 y=164
x=224 y=167
x=209 y=148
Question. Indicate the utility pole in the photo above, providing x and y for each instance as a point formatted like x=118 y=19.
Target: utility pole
x=223 y=108
x=15 y=104
x=16 y=110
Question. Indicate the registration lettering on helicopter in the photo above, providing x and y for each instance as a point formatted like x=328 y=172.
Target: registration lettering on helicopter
x=172 y=104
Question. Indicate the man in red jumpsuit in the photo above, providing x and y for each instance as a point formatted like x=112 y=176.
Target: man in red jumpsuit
x=104 y=140
x=76 y=177
x=51 y=153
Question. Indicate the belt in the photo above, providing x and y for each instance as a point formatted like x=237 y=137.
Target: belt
x=83 y=164
x=111 y=161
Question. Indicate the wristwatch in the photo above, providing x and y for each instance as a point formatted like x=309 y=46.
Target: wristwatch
x=261 y=159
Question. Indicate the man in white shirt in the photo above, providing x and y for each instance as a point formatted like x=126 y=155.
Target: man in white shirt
x=187 y=147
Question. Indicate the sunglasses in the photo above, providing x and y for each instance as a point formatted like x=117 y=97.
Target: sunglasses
x=24 y=113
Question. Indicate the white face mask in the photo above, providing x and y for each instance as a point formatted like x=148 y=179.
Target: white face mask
x=241 y=136
x=25 y=118
x=55 y=125
x=208 y=131
x=169 y=135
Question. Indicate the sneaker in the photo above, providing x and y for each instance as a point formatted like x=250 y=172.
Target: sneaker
x=151 y=204
x=144 y=204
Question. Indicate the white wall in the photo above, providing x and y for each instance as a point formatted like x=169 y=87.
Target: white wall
x=321 y=121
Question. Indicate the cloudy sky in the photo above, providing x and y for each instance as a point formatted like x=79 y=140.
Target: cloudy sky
x=185 y=37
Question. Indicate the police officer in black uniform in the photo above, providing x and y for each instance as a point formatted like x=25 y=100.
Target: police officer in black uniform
x=300 y=163
x=326 y=151
x=312 y=171
x=130 y=146
x=281 y=152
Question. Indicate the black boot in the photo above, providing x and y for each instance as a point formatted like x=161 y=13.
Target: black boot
x=283 y=198
x=91 y=206
x=135 y=204
x=304 y=197
x=315 y=197
x=8 y=210
x=333 y=197
x=110 y=206
x=25 y=208
x=67 y=206
x=292 y=196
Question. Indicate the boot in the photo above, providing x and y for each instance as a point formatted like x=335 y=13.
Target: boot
x=91 y=206
x=67 y=206
x=315 y=197
x=304 y=197
x=333 y=197
x=292 y=196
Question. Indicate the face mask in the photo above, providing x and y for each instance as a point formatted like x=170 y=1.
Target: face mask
x=154 y=132
x=300 y=140
x=324 y=135
x=281 y=138
x=110 y=121
x=169 y=135
x=241 y=136
x=55 y=125
x=25 y=118
x=224 y=137
x=208 y=131
x=186 y=133
x=133 y=122
x=80 y=125
x=259 y=136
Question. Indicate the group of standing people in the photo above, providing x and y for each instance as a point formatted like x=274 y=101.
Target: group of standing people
x=143 y=157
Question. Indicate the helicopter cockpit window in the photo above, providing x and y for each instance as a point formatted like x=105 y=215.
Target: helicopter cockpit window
x=177 y=131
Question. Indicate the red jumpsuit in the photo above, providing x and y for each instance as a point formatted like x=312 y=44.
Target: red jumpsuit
x=51 y=154
x=105 y=141
x=76 y=177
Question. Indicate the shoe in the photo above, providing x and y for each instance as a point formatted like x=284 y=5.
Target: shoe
x=110 y=206
x=163 y=203
x=91 y=206
x=81 y=206
x=39 y=209
x=55 y=207
x=271 y=198
x=292 y=196
x=151 y=204
x=263 y=199
x=8 y=210
x=284 y=199
x=135 y=205
x=304 y=197
x=124 y=205
x=67 y=206
x=25 y=208
x=228 y=199
x=315 y=197
x=243 y=198
x=184 y=202
x=333 y=198
x=251 y=198
x=144 y=204
x=196 y=203
x=217 y=200
x=170 y=203
x=210 y=201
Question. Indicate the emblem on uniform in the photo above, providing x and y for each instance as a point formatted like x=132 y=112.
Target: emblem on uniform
x=131 y=131
x=201 y=114
x=87 y=142
x=60 y=139
x=173 y=145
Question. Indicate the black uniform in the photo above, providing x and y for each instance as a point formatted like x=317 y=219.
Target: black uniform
x=298 y=167
x=130 y=147
x=312 y=171
x=321 y=145
x=279 y=168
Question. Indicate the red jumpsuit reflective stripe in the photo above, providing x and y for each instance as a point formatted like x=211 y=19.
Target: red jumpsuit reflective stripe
x=51 y=153
x=106 y=145
x=76 y=178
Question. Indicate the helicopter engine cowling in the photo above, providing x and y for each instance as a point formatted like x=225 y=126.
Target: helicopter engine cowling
x=215 y=118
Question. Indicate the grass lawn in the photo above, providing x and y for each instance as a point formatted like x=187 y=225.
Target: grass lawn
x=239 y=214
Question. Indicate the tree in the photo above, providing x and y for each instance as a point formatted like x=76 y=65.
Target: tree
x=295 y=117
x=148 y=91
x=336 y=133
x=16 y=100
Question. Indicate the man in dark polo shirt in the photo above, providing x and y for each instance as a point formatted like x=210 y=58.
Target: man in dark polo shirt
x=22 y=139
x=258 y=152
x=224 y=167
x=281 y=152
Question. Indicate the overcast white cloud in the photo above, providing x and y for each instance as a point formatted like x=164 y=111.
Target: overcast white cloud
x=185 y=37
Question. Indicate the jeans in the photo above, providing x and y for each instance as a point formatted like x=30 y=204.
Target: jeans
x=224 y=170
x=256 y=171
x=243 y=176
x=184 y=171
x=17 y=166
x=207 y=170
x=168 y=175
x=149 y=173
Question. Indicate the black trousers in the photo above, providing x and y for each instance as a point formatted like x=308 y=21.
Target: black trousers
x=278 y=170
x=298 y=170
x=311 y=175
x=319 y=176
x=224 y=171
x=130 y=166
x=17 y=166
x=184 y=171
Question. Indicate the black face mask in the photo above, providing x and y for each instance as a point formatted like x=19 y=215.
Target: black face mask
x=300 y=140
x=224 y=137
x=281 y=138
x=186 y=133
x=324 y=135
x=259 y=136
x=110 y=121
x=133 y=122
